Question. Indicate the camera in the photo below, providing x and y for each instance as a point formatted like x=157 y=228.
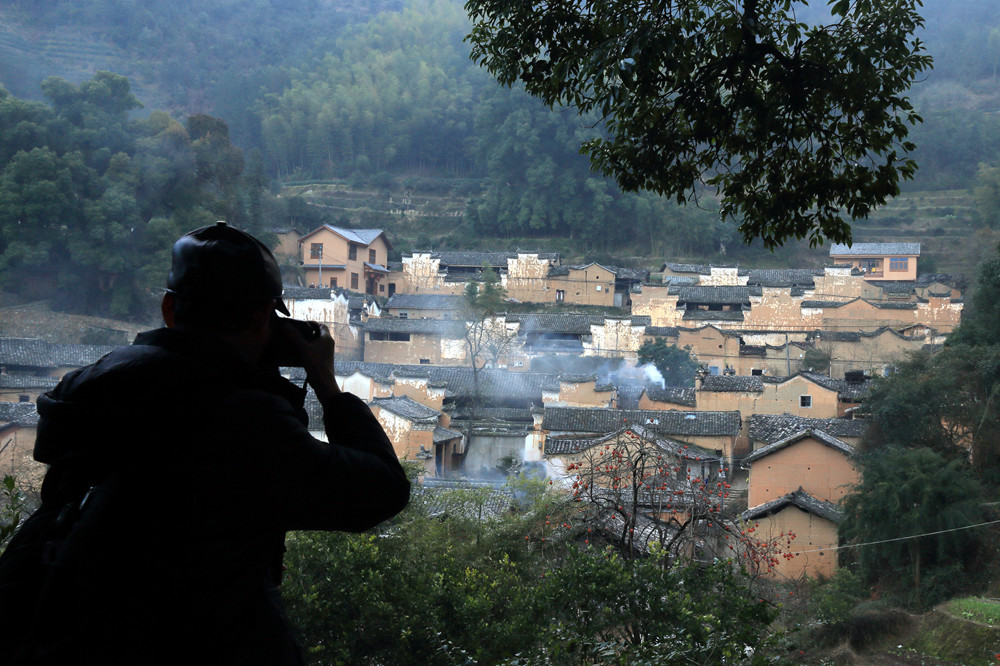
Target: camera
x=281 y=352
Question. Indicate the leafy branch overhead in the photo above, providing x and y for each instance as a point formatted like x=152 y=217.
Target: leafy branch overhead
x=795 y=126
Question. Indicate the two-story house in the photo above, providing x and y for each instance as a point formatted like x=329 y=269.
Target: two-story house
x=352 y=259
x=879 y=261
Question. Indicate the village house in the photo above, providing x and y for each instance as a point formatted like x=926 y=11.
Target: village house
x=712 y=431
x=352 y=259
x=879 y=261
x=796 y=484
x=419 y=433
x=812 y=460
x=24 y=388
x=341 y=311
x=417 y=341
x=426 y=306
x=814 y=523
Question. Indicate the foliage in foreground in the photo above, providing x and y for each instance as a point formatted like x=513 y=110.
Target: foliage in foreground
x=443 y=587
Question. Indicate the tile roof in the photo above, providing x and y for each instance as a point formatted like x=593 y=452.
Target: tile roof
x=21 y=413
x=663 y=331
x=732 y=384
x=819 y=435
x=570 y=446
x=442 y=434
x=783 y=277
x=426 y=301
x=768 y=428
x=506 y=414
x=292 y=292
x=573 y=324
x=672 y=394
x=713 y=315
x=39 y=353
x=443 y=327
x=493 y=501
x=701 y=269
x=493 y=384
x=362 y=236
x=716 y=295
x=408 y=408
x=667 y=422
x=624 y=273
x=800 y=499
x=12 y=381
x=861 y=249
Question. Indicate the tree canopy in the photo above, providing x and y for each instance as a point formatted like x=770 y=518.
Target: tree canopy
x=793 y=125
x=91 y=200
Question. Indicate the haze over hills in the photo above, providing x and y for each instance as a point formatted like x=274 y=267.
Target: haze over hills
x=377 y=100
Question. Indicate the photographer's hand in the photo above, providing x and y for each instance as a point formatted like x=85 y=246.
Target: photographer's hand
x=317 y=358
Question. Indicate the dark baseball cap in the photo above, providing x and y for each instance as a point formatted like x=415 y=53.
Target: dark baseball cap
x=220 y=264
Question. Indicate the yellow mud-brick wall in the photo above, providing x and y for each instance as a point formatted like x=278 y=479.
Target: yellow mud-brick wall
x=419 y=346
x=617 y=338
x=820 y=470
x=813 y=550
x=527 y=279
x=584 y=394
x=417 y=389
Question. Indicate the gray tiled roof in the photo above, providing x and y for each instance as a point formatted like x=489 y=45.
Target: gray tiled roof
x=768 y=428
x=362 y=236
x=39 y=353
x=564 y=446
x=507 y=414
x=861 y=249
x=894 y=286
x=292 y=292
x=784 y=277
x=819 y=435
x=493 y=384
x=578 y=324
x=713 y=315
x=442 y=434
x=426 y=301
x=624 y=273
x=884 y=305
x=701 y=269
x=802 y=500
x=408 y=408
x=672 y=394
x=443 y=327
x=662 y=331
x=13 y=381
x=21 y=413
x=824 y=304
x=717 y=295
x=733 y=384
x=672 y=423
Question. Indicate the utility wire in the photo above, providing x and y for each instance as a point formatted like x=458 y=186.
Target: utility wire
x=905 y=538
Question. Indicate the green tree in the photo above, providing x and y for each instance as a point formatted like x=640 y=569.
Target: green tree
x=676 y=365
x=914 y=502
x=793 y=125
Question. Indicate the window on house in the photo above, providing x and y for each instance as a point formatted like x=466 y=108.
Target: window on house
x=333 y=282
x=598 y=287
x=381 y=287
x=805 y=401
x=899 y=263
x=24 y=398
x=371 y=257
x=392 y=288
x=404 y=315
x=560 y=295
x=316 y=251
x=425 y=361
x=713 y=370
x=386 y=336
x=756 y=372
x=352 y=252
x=354 y=280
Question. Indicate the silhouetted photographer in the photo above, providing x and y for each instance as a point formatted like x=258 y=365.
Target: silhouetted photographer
x=176 y=465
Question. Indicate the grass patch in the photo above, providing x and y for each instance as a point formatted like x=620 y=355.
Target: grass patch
x=976 y=609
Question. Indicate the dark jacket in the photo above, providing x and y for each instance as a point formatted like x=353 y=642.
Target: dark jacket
x=201 y=463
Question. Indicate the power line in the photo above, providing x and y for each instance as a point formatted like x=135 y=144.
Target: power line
x=905 y=538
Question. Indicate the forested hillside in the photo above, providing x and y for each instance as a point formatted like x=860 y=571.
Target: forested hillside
x=382 y=97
